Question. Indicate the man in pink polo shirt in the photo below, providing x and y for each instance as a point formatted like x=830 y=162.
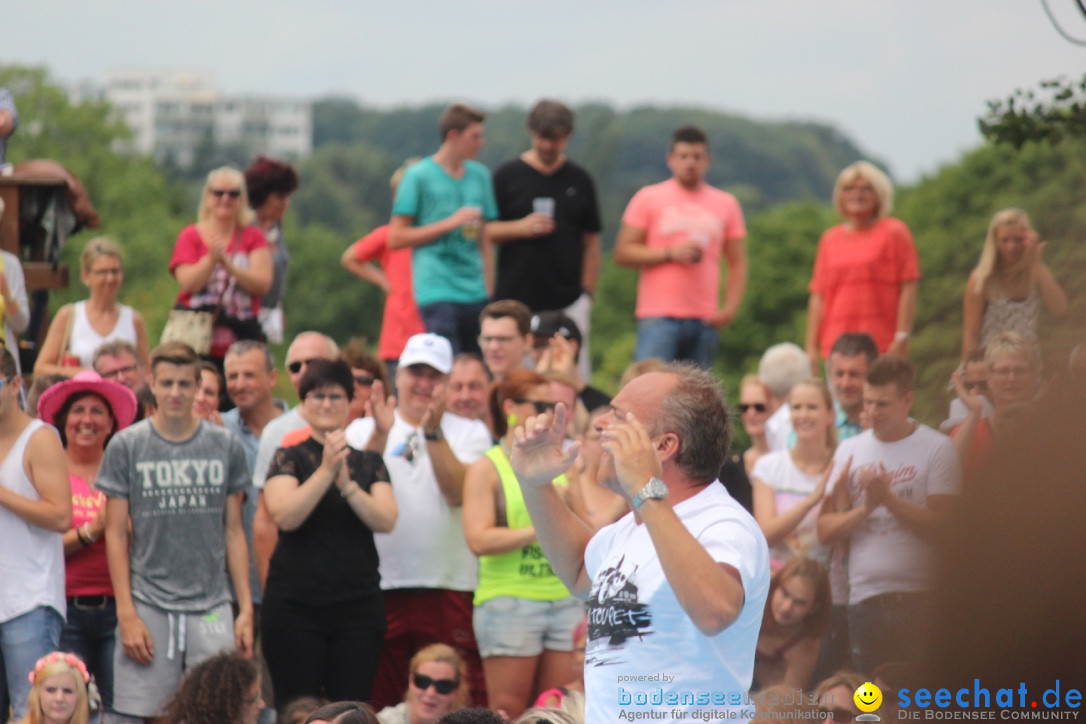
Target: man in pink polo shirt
x=675 y=232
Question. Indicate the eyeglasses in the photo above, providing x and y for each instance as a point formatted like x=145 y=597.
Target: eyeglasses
x=745 y=407
x=296 y=366
x=120 y=372
x=423 y=682
x=539 y=405
x=103 y=273
x=363 y=380
x=321 y=397
x=981 y=386
x=219 y=193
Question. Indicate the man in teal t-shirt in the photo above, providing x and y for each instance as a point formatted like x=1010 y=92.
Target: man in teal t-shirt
x=440 y=209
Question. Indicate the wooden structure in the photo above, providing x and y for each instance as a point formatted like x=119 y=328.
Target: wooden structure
x=31 y=201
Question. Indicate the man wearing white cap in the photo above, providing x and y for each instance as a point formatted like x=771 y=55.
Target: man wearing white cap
x=428 y=574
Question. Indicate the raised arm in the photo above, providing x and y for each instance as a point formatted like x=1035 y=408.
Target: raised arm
x=448 y=469
x=538 y=458
x=709 y=591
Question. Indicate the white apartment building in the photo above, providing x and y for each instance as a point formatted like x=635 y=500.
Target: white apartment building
x=172 y=112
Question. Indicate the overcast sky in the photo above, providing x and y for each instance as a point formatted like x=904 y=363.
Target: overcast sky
x=905 y=79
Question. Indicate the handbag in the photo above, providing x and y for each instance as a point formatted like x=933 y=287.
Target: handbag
x=190 y=326
x=194 y=327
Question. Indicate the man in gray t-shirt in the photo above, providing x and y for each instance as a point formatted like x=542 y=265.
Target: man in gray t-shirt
x=180 y=481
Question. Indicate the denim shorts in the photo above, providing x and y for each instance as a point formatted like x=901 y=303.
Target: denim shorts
x=511 y=626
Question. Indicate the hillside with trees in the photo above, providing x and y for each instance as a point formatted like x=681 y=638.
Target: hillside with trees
x=782 y=172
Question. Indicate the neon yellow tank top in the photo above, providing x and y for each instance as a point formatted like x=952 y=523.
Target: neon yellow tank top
x=525 y=572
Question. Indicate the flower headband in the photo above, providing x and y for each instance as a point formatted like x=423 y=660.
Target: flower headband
x=57 y=657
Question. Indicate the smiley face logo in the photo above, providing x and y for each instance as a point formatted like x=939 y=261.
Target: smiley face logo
x=867 y=697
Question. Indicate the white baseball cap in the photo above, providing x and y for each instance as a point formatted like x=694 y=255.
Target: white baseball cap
x=428 y=349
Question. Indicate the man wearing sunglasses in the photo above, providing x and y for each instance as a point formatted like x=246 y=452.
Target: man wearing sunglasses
x=677 y=587
x=428 y=574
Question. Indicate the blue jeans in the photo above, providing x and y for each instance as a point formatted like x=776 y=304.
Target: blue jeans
x=455 y=321
x=23 y=640
x=673 y=339
x=89 y=634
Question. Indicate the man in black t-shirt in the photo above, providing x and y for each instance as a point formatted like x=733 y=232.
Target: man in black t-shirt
x=547 y=232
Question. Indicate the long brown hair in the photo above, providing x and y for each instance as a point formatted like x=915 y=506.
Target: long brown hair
x=818 y=618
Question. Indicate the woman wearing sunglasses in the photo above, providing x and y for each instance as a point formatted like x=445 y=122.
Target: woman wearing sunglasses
x=323 y=615
x=524 y=617
x=789 y=484
x=222 y=263
x=437 y=684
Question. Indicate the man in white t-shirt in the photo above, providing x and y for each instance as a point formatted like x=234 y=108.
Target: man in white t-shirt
x=428 y=573
x=893 y=486
x=676 y=588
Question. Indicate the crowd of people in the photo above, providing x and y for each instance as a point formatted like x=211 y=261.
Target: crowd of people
x=459 y=527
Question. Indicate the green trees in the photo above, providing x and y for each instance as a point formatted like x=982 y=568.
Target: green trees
x=1055 y=111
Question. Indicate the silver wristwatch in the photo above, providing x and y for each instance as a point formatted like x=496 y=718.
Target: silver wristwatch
x=655 y=489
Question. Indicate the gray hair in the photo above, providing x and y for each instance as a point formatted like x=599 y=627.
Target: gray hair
x=782 y=366
x=695 y=409
x=248 y=345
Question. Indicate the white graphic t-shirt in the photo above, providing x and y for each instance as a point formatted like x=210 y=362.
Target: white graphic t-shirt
x=643 y=653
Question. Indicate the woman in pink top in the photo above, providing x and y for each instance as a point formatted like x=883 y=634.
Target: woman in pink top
x=866 y=270
x=87 y=410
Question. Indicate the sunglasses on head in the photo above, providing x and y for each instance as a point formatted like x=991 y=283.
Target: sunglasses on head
x=296 y=366
x=756 y=406
x=219 y=193
x=442 y=686
x=539 y=405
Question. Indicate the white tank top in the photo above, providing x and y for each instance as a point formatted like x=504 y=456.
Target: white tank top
x=85 y=341
x=31 y=558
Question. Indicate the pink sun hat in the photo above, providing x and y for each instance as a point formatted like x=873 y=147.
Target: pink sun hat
x=120 y=399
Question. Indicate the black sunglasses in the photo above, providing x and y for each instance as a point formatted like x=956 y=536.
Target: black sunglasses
x=981 y=386
x=296 y=366
x=758 y=407
x=363 y=380
x=539 y=405
x=442 y=686
x=219 y=193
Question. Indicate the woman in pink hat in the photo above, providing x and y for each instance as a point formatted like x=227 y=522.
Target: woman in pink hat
x=87 y=410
